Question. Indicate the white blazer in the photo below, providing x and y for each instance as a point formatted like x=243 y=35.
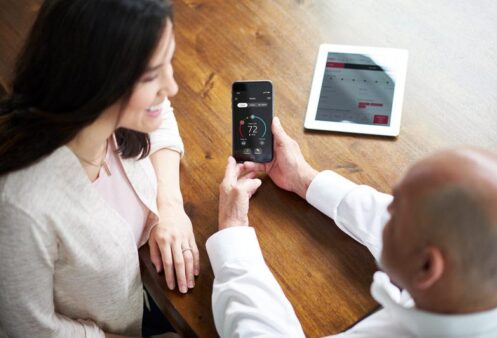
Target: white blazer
x=68 y=261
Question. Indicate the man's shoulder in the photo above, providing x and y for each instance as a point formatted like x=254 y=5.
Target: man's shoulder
x=379 y=324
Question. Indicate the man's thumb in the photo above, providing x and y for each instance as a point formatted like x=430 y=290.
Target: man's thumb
x=278 y=131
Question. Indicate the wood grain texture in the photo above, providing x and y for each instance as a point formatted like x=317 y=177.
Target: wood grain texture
x=450 y=100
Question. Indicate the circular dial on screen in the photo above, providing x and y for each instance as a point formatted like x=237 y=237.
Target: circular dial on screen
x=252 y=126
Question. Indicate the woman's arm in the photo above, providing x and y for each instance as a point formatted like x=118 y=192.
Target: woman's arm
x=174 y=234
x=172 y=242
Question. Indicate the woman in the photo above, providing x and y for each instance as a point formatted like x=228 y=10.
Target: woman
x=82 y=184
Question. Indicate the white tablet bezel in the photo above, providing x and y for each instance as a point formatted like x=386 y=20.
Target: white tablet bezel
x=394 y=60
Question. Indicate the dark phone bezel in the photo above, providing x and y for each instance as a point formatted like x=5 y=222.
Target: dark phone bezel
x=244 y=84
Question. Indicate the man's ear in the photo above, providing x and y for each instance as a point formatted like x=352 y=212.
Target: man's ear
x=431 y=269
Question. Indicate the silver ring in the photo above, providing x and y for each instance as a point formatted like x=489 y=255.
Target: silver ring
x=187 y=249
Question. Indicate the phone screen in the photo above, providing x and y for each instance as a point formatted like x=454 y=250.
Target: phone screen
x=252 y=106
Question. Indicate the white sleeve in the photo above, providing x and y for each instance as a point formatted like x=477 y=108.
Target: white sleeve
x=28 y=252
x=167 y=136
x=246 y=300
x=358 y=210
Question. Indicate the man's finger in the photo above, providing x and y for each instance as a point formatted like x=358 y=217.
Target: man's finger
x=250 y=186
x=280 y=136
x=254 y=185
x=260 y=167
x=230 y=167
x=241 y=171
x=232 y=171
x=248 y=175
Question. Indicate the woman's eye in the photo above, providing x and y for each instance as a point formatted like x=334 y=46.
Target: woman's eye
x=150 y=78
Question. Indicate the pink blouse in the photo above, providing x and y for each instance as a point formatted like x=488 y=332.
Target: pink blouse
x=119 y=194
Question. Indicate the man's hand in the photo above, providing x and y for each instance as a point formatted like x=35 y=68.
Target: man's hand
x=288 y=169
x=173 y=248
x=234 y=193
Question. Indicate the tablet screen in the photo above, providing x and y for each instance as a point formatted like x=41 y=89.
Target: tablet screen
x=355 y=89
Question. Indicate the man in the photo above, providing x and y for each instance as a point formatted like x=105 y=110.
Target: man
x=435 y=240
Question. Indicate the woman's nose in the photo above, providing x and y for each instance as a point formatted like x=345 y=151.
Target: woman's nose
x=169 y=85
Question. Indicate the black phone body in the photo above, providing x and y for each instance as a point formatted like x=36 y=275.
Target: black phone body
x=252 y=109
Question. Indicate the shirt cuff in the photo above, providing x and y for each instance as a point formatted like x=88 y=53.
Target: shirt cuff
x=167 y=135
x=237 y=243
x=327 y=191
x=91 y=329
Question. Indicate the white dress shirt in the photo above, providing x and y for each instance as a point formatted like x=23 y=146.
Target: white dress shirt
x=248 y=302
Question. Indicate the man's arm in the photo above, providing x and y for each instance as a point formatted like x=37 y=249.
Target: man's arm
x=247 y=301
x=358 y=210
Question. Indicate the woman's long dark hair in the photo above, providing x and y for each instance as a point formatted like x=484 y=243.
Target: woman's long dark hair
x=80 y=57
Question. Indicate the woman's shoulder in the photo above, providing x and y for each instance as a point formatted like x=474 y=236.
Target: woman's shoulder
x=29 y=199
x=42 y=183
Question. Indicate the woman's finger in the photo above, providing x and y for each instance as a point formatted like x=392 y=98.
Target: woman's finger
x=196 y=257
x=167 y=260
x=188 y=258
x=179 y=267
x=155 y=255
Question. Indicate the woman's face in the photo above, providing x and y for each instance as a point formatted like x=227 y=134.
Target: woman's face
x=144 y=109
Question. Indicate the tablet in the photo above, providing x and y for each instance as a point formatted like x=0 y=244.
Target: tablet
x=357 y=90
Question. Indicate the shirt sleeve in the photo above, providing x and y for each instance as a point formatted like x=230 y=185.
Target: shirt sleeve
x=167 y=136
x=247 y=300
x=28 y=252
x=358 y=210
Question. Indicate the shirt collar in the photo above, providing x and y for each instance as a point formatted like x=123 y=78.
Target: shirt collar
x=428 y=324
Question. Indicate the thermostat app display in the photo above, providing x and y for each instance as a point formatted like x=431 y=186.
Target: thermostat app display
x=252 y=106
x=356 y=90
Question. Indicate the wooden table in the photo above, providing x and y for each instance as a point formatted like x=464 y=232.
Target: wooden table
x=450 y=100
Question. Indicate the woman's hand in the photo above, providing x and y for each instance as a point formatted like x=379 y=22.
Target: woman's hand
x=173 y=248
x=172 y=243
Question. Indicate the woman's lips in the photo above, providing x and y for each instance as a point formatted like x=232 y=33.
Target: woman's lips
x=154 y=113
x=156 y=110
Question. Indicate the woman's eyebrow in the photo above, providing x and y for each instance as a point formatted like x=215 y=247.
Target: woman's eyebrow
x=168 y=48
x=151 y=69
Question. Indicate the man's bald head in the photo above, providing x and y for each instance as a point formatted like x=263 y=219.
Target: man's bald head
x=458 y=211
x=448 y=202
x=471 y=167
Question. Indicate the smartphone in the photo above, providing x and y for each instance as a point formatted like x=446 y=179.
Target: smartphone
x=252 y=109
